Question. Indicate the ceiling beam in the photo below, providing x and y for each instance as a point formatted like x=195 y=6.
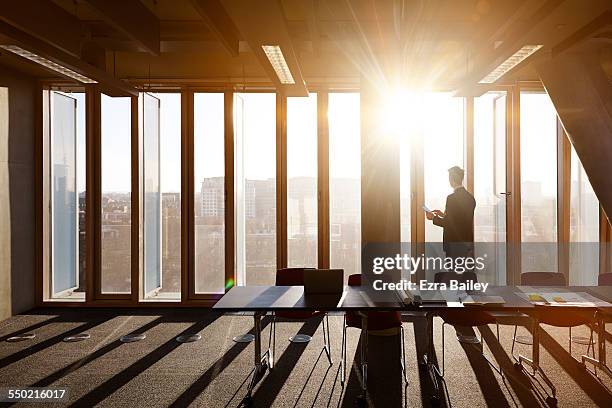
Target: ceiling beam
x=266 y=25
x=526 y=19
x=598 y=25
x=310 y=9
x=108 y=84
x=47 y=22
x=133 y=19
x=215 y=16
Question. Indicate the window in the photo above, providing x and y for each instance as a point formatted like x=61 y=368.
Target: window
x=209 y=192
x=443 y=138
x=584 y=227
x=302 y=181
x=67 y=150
x=151 y=197
x=345 y=182
x=161 y=181
x=170 y=162
x=490 y=184
x=255 y=189
x=538 y=121
x=116 y=195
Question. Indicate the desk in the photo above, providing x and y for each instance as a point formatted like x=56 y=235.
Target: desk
x=263 y=299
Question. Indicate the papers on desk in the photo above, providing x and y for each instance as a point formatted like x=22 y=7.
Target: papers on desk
x=543 y=297
x=483 y=300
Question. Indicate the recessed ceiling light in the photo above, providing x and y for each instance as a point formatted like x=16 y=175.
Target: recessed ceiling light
x=510 y=63
x=276 y=58
x=48 y=64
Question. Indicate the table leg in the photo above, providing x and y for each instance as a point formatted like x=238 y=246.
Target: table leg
x=260 y=366
x=535 y=350
x=428 y=360
x=364 y=351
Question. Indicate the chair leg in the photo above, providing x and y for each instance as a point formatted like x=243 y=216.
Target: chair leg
x=513 y=342
x=343 y=353
x=327 y=339
x=570 y=342
x=498 y=369
x=403 y=354
x=361 y=361
x=441 y=373
x=591 y=344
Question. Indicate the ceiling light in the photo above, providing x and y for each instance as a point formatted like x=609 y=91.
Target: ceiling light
x=276 y=58
x=48 y=64
x=510 y=63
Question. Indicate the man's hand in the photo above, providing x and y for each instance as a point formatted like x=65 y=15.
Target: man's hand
x=429 y=215
x=438 y=213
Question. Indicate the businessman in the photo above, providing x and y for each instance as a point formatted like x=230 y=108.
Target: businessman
x=457 y=220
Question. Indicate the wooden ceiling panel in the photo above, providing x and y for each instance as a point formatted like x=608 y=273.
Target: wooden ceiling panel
x=449 y=44
x=217 y=20
x=266 y=25
x=133 y=19
x=50 y=23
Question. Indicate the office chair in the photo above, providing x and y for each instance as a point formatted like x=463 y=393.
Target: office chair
x=295 y=277
x=601 y=318
x=553 y=317
x=376 y=321
x=475 y=318
x=605 y=279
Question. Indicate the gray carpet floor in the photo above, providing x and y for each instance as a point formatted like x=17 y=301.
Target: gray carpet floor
x=213 y=372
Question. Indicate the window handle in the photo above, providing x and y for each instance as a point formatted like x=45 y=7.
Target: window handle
x=506 y=193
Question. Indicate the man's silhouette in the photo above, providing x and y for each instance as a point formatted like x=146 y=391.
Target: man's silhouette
x=457 y=220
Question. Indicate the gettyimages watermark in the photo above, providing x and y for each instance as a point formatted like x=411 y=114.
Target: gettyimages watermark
x=391 y=267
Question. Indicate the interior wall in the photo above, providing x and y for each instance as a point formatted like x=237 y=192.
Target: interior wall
x=17 y=193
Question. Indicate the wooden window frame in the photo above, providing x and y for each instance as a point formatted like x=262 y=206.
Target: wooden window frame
x=94 y=297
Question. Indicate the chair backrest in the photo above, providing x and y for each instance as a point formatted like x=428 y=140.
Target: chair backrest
x=605 y=279
x=290 y=276
x=543 y=279
x=354 y=279
x=446 y=277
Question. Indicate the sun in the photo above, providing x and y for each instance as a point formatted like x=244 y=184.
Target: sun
x=399 y=113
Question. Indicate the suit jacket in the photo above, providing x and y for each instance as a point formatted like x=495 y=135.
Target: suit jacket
x=458 y=222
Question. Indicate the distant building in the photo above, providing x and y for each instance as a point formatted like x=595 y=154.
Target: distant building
x=212 y=197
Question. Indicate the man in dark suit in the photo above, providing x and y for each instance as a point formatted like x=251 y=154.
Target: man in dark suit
x=458 y=241
x=458 y=218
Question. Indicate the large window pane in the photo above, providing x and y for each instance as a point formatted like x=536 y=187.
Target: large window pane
x=538 y=183
x=151 y=194
x=209 y=179
x=116 y=194
x=584 y=227
x=255 y=176
x=345 y=182
x=170 y=161
x=443 y=137
x=490 y=184
x=302 y=181
x=67 y=186
x=80 y=97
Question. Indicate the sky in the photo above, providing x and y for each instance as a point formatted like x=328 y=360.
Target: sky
x=438 y=116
